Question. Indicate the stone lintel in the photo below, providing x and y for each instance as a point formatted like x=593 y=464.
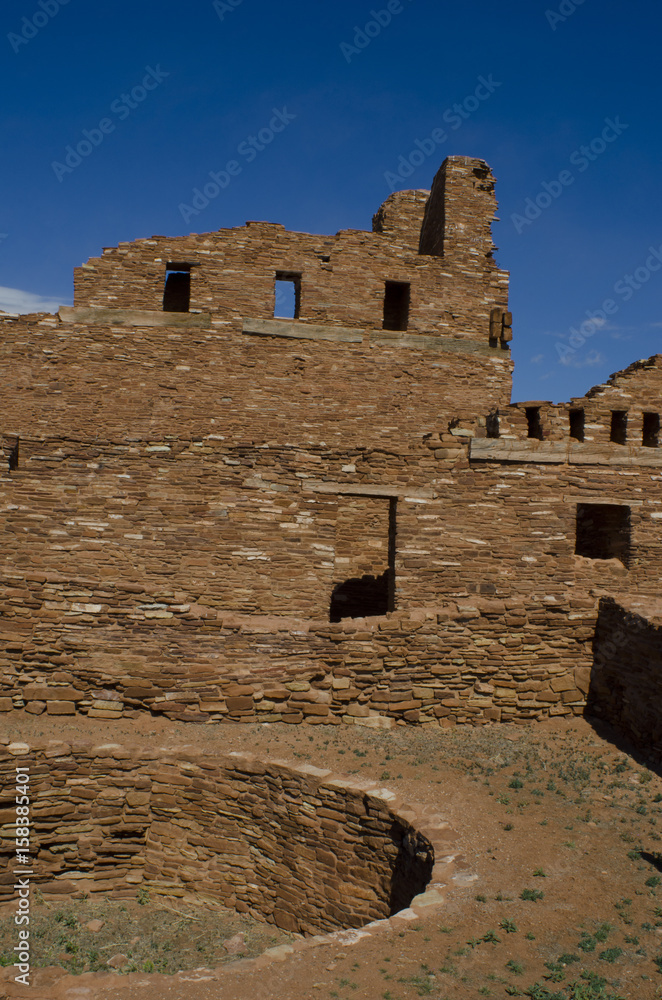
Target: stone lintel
x=298 y=330
x=403 y=492
x=100 y=316
x=530 y=450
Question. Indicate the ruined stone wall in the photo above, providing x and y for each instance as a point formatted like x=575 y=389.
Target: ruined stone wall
x=342 y=277
x=626 y=677
x=168 y=475
x=119 y=382
x=274 y=531
x=636 y=390
x=297 y=848
x=110 y=652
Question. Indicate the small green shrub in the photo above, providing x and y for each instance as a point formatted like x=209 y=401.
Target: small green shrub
x=531 y=894
x=610 y=954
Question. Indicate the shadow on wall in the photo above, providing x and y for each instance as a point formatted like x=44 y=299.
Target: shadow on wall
x=412 y=869
x=360 y=598
x=626 y=676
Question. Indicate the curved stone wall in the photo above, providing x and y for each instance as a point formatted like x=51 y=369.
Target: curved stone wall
x=295 y=847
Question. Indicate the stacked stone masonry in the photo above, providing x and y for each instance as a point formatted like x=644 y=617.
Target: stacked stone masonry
x=298 y=848
x=222 y=513
x=626 y=683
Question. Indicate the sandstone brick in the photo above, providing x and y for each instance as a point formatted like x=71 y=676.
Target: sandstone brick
x=60 y=708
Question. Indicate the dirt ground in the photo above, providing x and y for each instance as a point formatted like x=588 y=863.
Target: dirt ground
x=557 y=891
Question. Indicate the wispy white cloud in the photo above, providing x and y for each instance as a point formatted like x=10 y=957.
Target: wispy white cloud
x=537 y=359
x=15 y=300
x=589 y=360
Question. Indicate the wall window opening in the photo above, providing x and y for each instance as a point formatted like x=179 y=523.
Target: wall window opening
x=603 y=531
x=287 y=295
x=12 y=456
x=577 y=421
x=365 y=556
x=651 y=430
x=177 y=288
x=397 y=296
x=492 y=424
x=534 y=426
x=619 y=426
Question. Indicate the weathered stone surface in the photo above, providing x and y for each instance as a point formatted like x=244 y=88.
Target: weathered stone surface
x=129 y=838
x=189 y=497
x=60 y=708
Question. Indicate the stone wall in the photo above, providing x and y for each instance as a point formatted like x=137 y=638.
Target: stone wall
x=115 y=381
x=626 y=677
x=473 y=661
x=342 y=277
x=275 y=530
x=295 y=847
x=193 y=504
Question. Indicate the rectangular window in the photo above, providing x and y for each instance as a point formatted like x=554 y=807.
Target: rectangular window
x=12 y=455
x=396 y=305
x=177 y=288
x=619 y=426
x=492 y=424
x=651 y=430
x=287 y=295
x=603 y=531
x=365 y=555
x=577 y=424
x=534 y=427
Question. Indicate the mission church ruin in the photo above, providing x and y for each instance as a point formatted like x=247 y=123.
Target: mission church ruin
x=215 y=512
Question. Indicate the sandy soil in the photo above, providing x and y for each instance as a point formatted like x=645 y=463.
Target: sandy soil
x=565 y=813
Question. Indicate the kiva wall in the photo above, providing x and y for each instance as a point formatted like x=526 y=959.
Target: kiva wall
x=295 y=847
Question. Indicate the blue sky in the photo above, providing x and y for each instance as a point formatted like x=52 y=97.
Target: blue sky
x=563 y=75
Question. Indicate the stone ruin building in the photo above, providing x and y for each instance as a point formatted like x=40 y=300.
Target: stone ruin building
x=214 y=511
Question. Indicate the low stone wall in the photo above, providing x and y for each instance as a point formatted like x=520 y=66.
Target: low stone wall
x=473 y=661
x=295 y=847
x=626 y=679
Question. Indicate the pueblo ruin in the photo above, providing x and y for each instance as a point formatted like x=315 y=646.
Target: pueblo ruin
x=264 y=475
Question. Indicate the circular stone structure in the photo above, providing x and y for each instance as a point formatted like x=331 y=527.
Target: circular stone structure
x=296 y=847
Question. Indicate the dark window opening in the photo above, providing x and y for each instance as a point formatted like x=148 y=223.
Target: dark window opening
x=287 y=295
x=360 y=598
x=534 y=427
x=396 y=305
x=603 y=531
x=651 y=430
x=177 y=289
x=577 y=424
x=392 y=530
x=12 y=457
x=492 y=424
x=619 y=426
x=369 y=595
